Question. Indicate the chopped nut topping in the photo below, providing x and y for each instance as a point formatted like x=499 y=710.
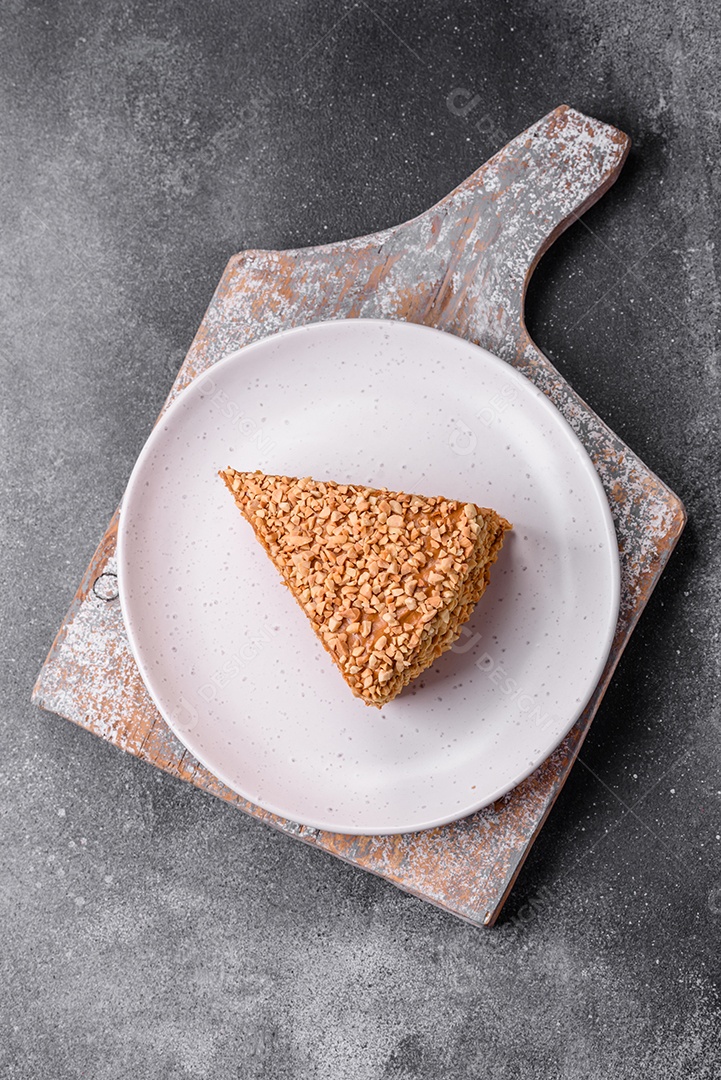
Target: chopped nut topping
x=387 y=579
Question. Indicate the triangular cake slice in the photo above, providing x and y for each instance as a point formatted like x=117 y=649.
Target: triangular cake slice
x=386 y=579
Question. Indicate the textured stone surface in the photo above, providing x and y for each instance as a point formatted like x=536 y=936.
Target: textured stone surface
x=149 y=930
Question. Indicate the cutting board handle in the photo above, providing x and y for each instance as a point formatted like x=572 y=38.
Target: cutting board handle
x=509 y=212
x=463 y=265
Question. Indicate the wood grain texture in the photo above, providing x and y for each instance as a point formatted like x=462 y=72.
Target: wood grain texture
x=464 y=267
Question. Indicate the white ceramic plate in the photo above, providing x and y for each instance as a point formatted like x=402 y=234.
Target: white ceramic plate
x=230 y=659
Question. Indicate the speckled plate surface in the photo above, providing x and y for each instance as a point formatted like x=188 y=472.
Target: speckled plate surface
x=229 y=657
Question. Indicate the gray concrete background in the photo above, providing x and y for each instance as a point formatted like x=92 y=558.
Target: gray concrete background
x=149 y=930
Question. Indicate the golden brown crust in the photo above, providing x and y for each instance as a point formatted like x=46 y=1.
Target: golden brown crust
x=386 y=579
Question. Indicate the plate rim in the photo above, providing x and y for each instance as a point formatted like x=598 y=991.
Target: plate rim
x=552 y=410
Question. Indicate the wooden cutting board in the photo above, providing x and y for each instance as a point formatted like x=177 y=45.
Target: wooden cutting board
x=462 y=266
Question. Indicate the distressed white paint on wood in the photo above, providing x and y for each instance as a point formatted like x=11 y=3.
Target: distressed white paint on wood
x=463 y=266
